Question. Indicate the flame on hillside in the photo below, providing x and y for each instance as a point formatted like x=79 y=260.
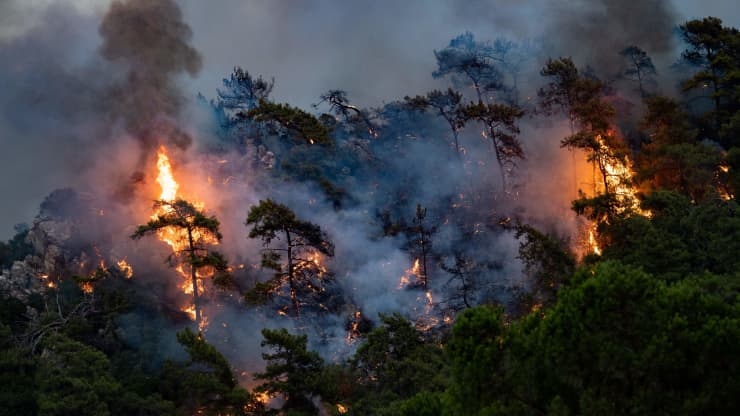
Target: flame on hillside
x=126 y=268
x=618 y=178
x=414 y=271
x=178 y=238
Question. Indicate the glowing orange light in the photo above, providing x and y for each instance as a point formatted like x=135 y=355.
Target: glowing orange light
x=592 y=242
x=126 y=268
x=413 y=271
x=177 y=238
x=165 y=178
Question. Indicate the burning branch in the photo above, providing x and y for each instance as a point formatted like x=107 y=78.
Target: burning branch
x=189 y=231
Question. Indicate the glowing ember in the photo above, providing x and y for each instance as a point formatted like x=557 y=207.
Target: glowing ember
x=126 y=268
x=341 y=409
x=413 y=271
x=49 y=283
x=190 y=310
x=592 y=242
x=87 y=287
x=314 y=261
x=263 y=398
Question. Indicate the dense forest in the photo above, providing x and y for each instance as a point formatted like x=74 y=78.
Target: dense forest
x=539 y=237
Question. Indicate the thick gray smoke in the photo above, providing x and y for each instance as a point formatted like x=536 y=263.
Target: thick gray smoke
x=150 y=40
x=56 y=88
x=594 y=32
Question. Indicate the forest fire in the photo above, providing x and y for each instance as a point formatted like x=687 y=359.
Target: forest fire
x=179 y=239
x=413 y=271
x=592 y=243
x=618 y=178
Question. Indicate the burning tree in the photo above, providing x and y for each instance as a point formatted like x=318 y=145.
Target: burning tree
x=191 y=233
x=304 y=244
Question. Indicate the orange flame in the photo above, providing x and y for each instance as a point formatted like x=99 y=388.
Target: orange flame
x=177 y=238
x=165 y=178
x=592 y=243
x=413 y=271
x=126 y=268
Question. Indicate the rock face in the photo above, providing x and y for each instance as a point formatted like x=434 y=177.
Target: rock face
x=21 y=281
x=50 y=259
x=50 y=239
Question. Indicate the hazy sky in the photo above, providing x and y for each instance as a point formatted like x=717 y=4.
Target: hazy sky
x=376 y=50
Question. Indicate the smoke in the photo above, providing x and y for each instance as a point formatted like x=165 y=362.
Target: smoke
x=594 y=32
x=90 y=97
x=60 y=99
x=149 y=41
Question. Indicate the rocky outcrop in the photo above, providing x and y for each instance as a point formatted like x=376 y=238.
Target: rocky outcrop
x=21 y=281
x=50 y=260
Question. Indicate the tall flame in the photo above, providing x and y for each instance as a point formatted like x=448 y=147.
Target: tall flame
x=619 y=179
x=174 y=237
x=165 y=178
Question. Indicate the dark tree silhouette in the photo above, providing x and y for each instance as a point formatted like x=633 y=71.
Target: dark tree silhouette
x=272 y=221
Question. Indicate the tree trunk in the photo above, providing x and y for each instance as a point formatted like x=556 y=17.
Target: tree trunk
x=291 y=275
x=194 y=278
x=498 y=159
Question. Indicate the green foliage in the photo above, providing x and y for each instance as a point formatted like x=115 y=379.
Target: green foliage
x=679 y=239
x=394 y=363
x=546 y=259
x=618 y=341
x=204 y=353
x=306 y=126
x=476 y=353
x=291 y=370
x=673 y=159
x=715 y=51
x=74 y=378
x=16 y=248
x=622 y=342
x=207 y=384
x=17 y=377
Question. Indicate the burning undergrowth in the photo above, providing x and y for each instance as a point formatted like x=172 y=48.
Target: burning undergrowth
x=414 y=210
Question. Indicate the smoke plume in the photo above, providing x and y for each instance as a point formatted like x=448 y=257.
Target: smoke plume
x=149 y=39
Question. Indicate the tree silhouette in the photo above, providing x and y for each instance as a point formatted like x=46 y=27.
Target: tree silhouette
x=500 y=121
x=302 y=241
x=639 y=69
